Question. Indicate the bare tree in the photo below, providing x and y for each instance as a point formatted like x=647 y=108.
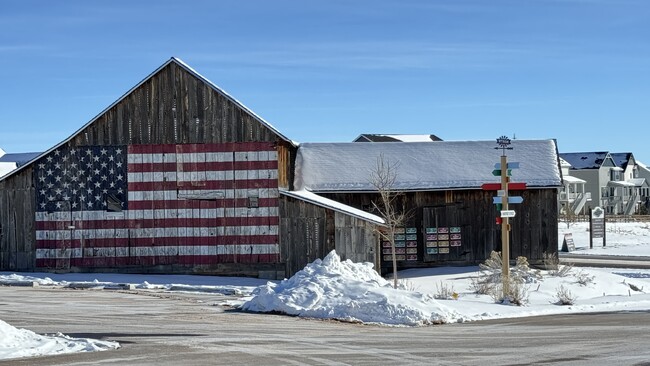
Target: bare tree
x=383 y=178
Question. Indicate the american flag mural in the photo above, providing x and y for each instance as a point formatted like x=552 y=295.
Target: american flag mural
x=145 y=205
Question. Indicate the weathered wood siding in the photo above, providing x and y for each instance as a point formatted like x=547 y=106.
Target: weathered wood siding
x=306 y=233
x=172 y=108
x=17 y=227
x=309 y=232
x=472 y=212
x=356 y=239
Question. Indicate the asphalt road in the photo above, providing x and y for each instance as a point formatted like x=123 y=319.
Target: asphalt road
x=605 y=261
x=163 y=329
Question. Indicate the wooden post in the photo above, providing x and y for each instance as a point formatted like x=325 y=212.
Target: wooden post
x=505 y=228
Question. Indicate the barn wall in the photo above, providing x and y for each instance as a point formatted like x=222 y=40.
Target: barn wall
x=17 y=244
x=356 y=239
x=306 y=233
x=309 y=232
x=172 y=112
x=473 y=215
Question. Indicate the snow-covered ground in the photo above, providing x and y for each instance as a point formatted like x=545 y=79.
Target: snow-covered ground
x=621 y=238
x=335 y=289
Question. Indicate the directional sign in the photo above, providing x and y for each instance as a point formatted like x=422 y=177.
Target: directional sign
x=497 y=172
x=497 y=186
x=511 y=199
x=507 y=213
x=516 y=186
x=511 y=165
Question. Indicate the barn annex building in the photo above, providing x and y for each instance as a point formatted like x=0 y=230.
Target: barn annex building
x=177 y=176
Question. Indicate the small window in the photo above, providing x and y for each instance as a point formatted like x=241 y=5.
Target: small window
x=253 y=202
x=113 y=203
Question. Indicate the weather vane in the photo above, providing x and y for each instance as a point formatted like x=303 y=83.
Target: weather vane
x=504 y=144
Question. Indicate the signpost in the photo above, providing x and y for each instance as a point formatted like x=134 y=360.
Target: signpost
x=501 y=200
x=596 y=225
x=504 y=144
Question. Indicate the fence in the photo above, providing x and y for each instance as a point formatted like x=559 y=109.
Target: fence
x=608 y=218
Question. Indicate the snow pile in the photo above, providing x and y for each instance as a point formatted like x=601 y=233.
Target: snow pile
x=343 y=290
x=17 y=343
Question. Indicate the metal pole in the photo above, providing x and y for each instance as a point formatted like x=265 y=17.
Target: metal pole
x=604 y=229
x=591 y=229
x=505 y=228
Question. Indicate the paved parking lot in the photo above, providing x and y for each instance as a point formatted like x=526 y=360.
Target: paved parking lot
x=187 y=329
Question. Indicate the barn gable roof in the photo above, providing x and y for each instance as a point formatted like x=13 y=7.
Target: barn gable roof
x=187 y=68
x=439 y=165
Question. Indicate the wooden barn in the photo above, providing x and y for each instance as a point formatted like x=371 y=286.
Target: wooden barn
x=452 y=221
x=176 y=176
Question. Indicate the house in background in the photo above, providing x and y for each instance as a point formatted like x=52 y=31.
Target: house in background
x=636 y=187
x=368 y=137
x=573 y=198
x=611 y=179
x=644 y=172
x=9 y=162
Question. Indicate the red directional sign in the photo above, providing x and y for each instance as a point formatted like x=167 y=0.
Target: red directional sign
x=512 y=186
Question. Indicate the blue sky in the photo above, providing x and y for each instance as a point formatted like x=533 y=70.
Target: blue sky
x=574 y=70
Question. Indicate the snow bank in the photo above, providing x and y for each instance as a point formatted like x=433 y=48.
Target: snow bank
x=17 y=343
x=343 y=290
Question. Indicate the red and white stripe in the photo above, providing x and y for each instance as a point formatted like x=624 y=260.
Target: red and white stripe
x=187 y=205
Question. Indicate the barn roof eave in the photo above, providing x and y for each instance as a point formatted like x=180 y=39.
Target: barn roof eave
x=473 y=188
x=171 y=60
x=313 y=198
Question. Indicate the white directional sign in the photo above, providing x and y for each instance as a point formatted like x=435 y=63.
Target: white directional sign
x=511 y=165
x=507 y=213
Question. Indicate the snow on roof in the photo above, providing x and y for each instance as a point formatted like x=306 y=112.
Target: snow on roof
x=6 y=168
x=188 y=69
x=585 y=160
x=638 y=182
x=620 y=183
x=564 y=163
x=330 y=167
x=334 y=205
x=570 y=179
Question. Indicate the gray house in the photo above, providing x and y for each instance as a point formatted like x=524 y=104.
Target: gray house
x=611 y=180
